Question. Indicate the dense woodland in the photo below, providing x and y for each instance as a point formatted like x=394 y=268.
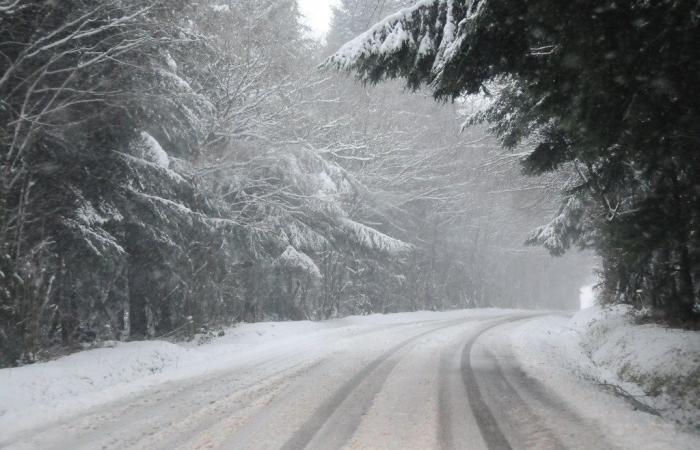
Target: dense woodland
x=170 y=166
x=606 y=91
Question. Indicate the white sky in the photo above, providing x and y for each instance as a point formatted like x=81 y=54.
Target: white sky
x=318 y=15
x=587 y=297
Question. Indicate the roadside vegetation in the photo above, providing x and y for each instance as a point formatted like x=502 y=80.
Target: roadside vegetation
x=601 y=90
x=168 y=167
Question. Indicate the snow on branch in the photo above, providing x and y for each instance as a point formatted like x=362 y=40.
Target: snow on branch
x=141 y=161
x=387 y=37
x=303 y=236
x=291 y=258
x=97 y=239
x=88 y=225
x=418 y=43
x=153 y=150
x=564 y=229
x=373 y=240
x=9 y=6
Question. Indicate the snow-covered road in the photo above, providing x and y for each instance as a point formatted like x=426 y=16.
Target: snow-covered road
x=421 y=381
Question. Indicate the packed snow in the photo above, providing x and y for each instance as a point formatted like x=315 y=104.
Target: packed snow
x=43 y=393
x=552 y=349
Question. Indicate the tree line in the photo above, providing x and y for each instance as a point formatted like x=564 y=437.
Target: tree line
x=171 y=166
x=603 y=92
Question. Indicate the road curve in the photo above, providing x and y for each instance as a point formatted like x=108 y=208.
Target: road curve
x=448 y=384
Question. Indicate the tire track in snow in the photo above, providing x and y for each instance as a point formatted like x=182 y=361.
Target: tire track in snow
x=491 y=432
x=200 y=421
x=456 y=423
x=267 y=387
x=530 y=414
x=535 y=415
x=523 y=425
x=132 y=419
x=344 y=430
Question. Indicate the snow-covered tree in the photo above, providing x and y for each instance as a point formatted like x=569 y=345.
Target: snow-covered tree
x=94 y=121
x=169 y=166
x=457 y=197
x=602 y=86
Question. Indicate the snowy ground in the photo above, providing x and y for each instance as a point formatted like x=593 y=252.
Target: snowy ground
x=658 y=366
x=46 y=392
x=462 y=379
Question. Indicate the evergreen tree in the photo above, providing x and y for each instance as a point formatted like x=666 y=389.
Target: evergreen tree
x=85 y=89
x=351 y=17
x=604 y=89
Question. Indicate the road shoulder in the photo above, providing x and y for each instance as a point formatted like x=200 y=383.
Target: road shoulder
x=549 y=350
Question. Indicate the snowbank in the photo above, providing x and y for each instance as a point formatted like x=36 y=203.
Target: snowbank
x=664 y=363
x=657 y=366
x=52 y=382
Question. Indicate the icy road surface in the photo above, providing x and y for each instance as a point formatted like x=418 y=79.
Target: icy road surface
x=408 y=381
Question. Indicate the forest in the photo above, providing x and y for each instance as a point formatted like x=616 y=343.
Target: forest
x=169 y=167
x=601 y=90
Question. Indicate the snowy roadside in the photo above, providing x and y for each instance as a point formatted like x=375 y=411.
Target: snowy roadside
x=657 y=366
x=52 y=391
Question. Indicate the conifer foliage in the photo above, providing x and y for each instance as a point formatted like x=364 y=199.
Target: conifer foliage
x=153 y=179
x=78 y=164
x=604 y=90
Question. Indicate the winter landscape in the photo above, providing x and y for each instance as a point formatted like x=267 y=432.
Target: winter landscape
x=362 y=224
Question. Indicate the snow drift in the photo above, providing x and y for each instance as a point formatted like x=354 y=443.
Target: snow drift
x=649 y=364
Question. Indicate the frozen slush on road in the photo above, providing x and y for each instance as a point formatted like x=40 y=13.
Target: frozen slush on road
x=463 y=379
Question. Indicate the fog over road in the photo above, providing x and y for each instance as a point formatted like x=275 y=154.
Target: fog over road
x=423 y=384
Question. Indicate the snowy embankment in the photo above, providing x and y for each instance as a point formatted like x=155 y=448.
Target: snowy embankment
x=52 y=391
x=648 y=365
